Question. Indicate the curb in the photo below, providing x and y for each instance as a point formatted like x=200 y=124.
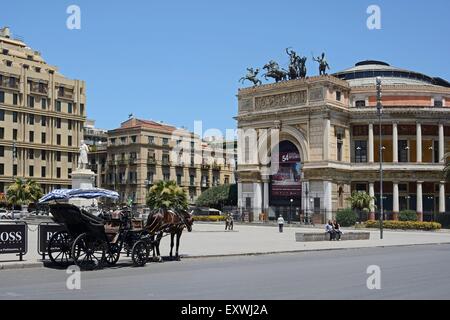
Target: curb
x=315 y=250
x=249 y=254
x=21 y=266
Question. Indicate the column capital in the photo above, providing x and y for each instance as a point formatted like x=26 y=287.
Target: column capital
x=419 y=182
x=443 y=182
x=395 y=122
x=418 y=123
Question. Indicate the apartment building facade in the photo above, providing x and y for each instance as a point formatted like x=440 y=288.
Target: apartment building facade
x=42 y=115
x=141 y=152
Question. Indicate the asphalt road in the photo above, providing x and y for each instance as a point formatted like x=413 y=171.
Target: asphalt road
x=419 y=272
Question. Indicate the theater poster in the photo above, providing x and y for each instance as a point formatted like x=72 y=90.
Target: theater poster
x=286 y=183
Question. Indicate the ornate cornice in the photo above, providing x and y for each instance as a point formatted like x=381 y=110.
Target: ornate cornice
x=286 y=85
x=399 y=88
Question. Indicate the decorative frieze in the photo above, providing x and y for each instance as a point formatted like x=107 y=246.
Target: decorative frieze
x=245 y=105
x=316 y=94
x=281 y=100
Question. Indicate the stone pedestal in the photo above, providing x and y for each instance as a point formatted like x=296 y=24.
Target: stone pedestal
x=83 y=179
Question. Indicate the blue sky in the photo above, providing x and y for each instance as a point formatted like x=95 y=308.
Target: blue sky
x=180 y=61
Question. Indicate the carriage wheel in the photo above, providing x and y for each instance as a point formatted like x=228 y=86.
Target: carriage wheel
x=88 y=253
x=140 y=253
x=59 y=249
x=113 y=254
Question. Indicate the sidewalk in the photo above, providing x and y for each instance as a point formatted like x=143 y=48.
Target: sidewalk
x=209 y=240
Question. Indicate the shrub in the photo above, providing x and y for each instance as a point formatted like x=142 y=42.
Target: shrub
x=219 y=196
x=210 y=218
x=346 y=217
x=405 y=225
x=408 y=215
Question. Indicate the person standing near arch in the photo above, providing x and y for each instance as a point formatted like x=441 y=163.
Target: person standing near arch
x=280 y=223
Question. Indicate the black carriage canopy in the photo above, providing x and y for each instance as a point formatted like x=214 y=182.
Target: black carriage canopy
x=66 y=194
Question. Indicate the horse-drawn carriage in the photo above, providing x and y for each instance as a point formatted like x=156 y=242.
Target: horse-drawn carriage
x=90 y=241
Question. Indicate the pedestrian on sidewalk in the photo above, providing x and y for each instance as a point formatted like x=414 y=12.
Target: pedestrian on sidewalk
x=280 y=223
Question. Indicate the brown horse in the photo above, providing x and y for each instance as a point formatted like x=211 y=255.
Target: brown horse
x=169 y=222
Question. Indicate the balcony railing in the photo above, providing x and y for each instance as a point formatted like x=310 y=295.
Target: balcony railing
x=65 y=94
x=38 y=88
x=165 y=162
x=151 y=161
x=179 y=164
x=10 y=84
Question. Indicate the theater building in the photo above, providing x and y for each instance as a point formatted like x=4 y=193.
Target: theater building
x=328 y=143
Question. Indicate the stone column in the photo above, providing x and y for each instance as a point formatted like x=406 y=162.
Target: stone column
x=370 y=147
x=328 y=202
x=396 y=203
x=326 y=139
x=258 y=203
x=441 y=143
x=395 y=142
x=419 y=142
x=266 y=197
x=419 y=201
x=442 y=197
x=372 y=203
x=240 y=202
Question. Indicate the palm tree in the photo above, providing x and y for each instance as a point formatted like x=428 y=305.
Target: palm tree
x=167 y=195
x=23 y=192
x=361 y=201
x=447 y=167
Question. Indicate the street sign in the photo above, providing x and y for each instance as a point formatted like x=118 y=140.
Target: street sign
x=14 y=238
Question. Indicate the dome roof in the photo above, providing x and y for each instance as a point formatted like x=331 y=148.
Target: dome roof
x=365 y=72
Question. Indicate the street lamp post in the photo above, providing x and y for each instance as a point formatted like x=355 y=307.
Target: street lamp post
x=290 y=211
x=380 y=114
x=306 y=204
x=14 y=158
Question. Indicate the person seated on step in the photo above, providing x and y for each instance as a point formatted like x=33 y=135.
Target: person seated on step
x=329 y=229
x=337 y=230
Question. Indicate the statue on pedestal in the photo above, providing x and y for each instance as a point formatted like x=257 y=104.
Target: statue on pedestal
x=323 y=64
x=297 y=65
x=274 y=71
x=252 y=76
x=83 y=158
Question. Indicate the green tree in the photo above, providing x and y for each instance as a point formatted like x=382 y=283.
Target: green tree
x=217 y=197
x=447 y=167
x=24 y=192
x=167 y=195
x=361 y=201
